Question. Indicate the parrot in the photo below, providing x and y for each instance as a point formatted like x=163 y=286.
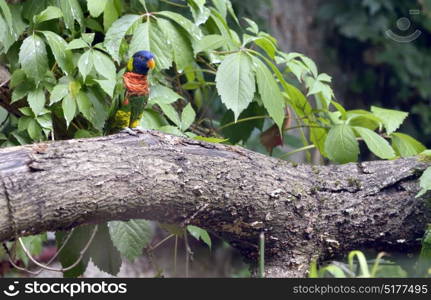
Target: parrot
x=129 y=112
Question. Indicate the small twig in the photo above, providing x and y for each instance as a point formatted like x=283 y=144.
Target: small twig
x=175 y=255
x=152 y=248
x=188 y=220
x=46 y=267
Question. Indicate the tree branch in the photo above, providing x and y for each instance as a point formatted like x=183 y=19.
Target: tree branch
x=306 y=212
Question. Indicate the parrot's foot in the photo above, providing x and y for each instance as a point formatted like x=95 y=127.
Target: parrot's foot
x=129 y=131
x=133 y=131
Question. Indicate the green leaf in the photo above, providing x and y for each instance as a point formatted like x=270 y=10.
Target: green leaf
x=45 y=121
x=69 y=108
x=85 y=106
x=209 y=42
x=235 y=82
x=33 y=57
x=199 y=234
x=18 y=77
x=130 y=237
x=149 y=36
x=34 y=130
x=8 y=16
x=108 y=260
x=108 y=86
x=59 y=48
x=22 y=90
x=391 y=119
x=185 y=23
x=116 y=34
x=23 y=123
x=267 y=46
x=161 y=94
x=104 y=65
x=171 y=113
x=199 y=11
x=77 y=44
x=378 y=145
x=425 y=183
x=71 y=12
x=50 y=13
x=341 y=145
x=152 y=120
x=111 y=13
x=36 y=100
x=96 y=7
x=58 y=92
x=187 y=117
x=171 y=130
x=34 y=244
x=71 y=251
x=252 y=26
x=180 y=44
x=86 y=63
x=269 y=92
x=405 y=145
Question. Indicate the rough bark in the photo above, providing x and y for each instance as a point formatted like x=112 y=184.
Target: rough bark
x=305 y=211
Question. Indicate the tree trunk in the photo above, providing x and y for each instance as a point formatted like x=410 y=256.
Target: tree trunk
x=306 y=212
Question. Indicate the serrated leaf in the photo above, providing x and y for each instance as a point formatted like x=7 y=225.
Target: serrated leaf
x=96 y=7
x=378 y=145
x=23 y=123
x=36 y=100
x=71 y=12
x=85 y=106
x=86 y=63
x=235 y=82
x=130 y=237
x=33 y=57
x=77 y=44
x=185 y=23
x=59 y=48
x=171 y=113
x=171 y=130
x=22 y=90
x=71 y=251
x=34 y=130
x=406 y=145
x=149 y=36
x=111 y=13
x=341 y=145
x=108 y=260
x=188 y=116
x=50 y=13
x=267 y=46
x=199 y=234
x=104 y=65
x=425 y=183
x=108 y=86
x=58 y=92
x=69 y=108
x=161 y=94
x=6 y=13
x=269 y=92
x=252 y=26
x=116 y=34
x=18 y=77
x=209 y=42
x=180 y=44
x=45 y=121
x=391 y=119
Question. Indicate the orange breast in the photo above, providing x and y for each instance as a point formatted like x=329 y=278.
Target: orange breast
x=136 y=84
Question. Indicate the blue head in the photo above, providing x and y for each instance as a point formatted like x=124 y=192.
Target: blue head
x=141 y=62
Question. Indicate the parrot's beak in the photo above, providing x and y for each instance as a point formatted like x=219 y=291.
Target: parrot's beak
x=151 y=64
